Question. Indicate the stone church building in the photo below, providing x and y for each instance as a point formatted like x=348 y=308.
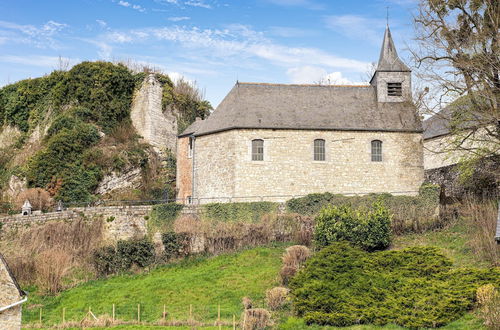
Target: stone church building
x=275 y=141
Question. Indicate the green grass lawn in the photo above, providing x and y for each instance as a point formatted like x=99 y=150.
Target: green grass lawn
x=201 y=282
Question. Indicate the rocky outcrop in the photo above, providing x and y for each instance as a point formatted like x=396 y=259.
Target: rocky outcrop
x=15 y=186
x=9 y=136
x=116 y=181
x=157 y=128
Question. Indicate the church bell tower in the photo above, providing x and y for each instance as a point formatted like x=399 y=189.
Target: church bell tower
x=392 y=78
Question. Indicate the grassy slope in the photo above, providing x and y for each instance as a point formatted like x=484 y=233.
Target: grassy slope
x=202 y=282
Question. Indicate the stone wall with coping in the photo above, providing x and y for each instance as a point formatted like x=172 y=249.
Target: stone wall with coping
x=10 y=319
x=120 y=222
x=223 y=165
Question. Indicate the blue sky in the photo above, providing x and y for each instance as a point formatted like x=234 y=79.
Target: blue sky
x=212 y=42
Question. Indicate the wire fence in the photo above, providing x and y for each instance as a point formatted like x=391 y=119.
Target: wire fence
x=133 y=313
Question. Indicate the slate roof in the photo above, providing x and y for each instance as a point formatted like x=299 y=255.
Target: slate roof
x=389 y=59
x=438 y=124
x=313 y=107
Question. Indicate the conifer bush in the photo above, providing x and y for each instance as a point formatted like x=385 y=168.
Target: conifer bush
x=369 y=229
x=342 y=285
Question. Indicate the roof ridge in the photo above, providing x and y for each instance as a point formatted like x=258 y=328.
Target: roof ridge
x=298 y=85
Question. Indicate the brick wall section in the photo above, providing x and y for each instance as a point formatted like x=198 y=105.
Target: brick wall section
x=120 y=222
x=10 y=319
x=184 y=169
x=223 y=165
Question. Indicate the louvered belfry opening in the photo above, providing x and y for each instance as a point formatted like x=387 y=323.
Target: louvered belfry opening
x=394 y=89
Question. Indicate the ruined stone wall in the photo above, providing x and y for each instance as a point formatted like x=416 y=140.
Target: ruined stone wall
x=120 y=222
x=184 y=183
x=10 y=319
x=223 y=165
x=158 y=128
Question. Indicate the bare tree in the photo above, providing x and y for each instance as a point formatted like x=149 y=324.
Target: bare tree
x=457 y=54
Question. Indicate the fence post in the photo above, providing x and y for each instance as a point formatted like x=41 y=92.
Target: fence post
x=190 y=312
x=234 y=322
x=218 y=314
x=139 y=313
x=40 y=315
x=64 y=315
x=113 y=317
x=164 y=312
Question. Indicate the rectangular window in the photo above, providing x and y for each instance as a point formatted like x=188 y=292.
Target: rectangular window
x=394 y=89
x=376 y=151
x=319 y=150
x=190 y=149
x=257 y=150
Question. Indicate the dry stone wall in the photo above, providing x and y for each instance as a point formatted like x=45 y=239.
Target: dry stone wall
x=120 y=222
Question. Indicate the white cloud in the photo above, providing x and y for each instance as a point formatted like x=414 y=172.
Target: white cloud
x=179 y=18
x=357 y=27
x=40 y=36
x=197 y=3
x=316 y=75
x=101 y=23
x=130 y=5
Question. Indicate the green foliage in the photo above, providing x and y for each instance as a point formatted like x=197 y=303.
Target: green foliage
x=110 y=260
x=369 y=229
x=104 y=88
x=410 y=213
x=175 y=244
x=234 y=212
x=162 y=217
x=201 y=281
x=415 y=287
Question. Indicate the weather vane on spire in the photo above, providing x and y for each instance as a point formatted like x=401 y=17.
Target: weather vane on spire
x=387 y=15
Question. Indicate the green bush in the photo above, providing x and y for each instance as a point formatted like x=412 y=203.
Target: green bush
x=233 y=212
x=175 y=244
x=410 y=213
x=162 y=217
x=369 y=229
x=110 y=260
x=415 y=287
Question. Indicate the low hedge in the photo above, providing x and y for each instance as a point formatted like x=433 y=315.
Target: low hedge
x=367 y=228
x=242 y=212
x=415 y=287
x=410 y=213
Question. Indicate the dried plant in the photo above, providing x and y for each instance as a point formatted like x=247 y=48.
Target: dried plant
x=246 y=302
x=488 y=299
x=51 y=267
x=276 y=297
x=296 y=255
x=256 y=318
x=286 y=273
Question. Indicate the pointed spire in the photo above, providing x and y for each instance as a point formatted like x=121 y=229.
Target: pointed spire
x=389 y=60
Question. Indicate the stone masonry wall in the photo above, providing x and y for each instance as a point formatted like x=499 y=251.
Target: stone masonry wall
x=223 y=165
x=10 y=319
x=158 y=128
x=120 y=222
x=184 y=169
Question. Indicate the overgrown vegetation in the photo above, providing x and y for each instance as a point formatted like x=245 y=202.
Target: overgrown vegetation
x=238 y=212
x=162 y=217
x=410 y=213
x=367 y=228
x=85 y=113
x=414 y=287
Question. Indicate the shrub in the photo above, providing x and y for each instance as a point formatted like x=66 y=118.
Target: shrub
x=369 y=229
x=295 y=256
x=238 y=212
x=416 y=287
x=162 y=217
x=410 y=213
x=256 y=319
x=488 y=299
x=51 y=267
x=39 y=199
x=175 y=244
x=286 y=274
x=276 y=297
x=110 y=260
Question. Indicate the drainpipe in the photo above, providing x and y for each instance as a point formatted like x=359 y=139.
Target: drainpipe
x=193 y=171
x=14 y=304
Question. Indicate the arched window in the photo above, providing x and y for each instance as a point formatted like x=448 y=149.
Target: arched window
x=257 y=149
x=376 y=151
x=319 y=149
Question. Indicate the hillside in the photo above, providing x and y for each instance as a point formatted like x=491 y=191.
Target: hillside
x=201 y=282
x=71 y=133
